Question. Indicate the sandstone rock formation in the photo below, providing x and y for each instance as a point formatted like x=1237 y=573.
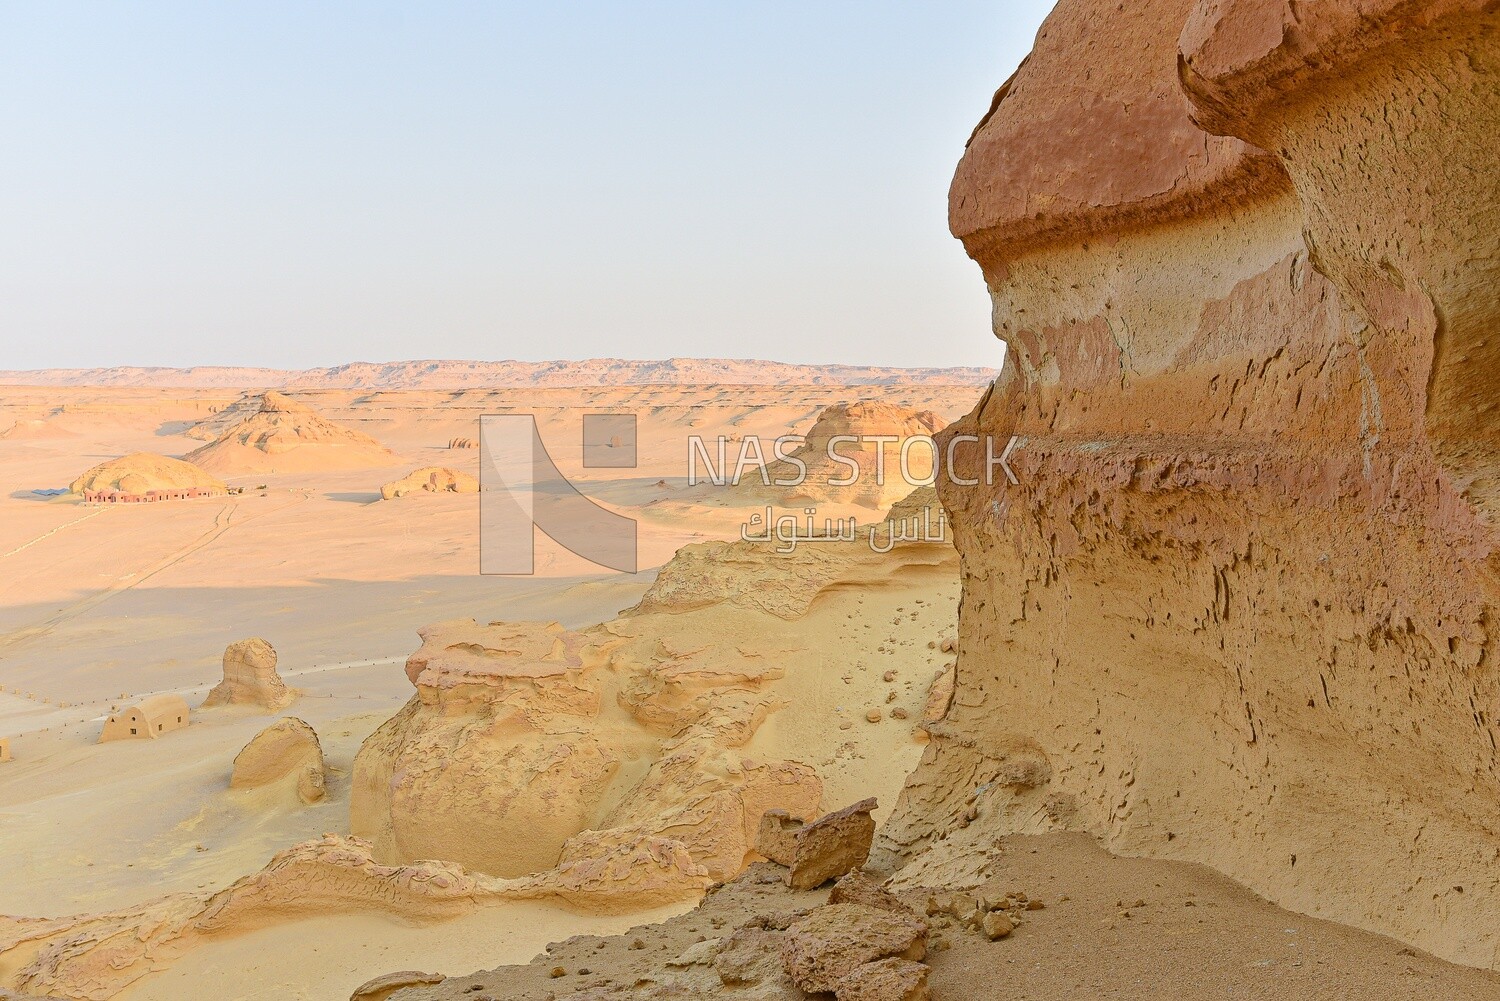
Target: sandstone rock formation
x=381 y=988
x=286 y=753
x=866 y=453
x=836 y=940
x=250 y=679
x=141 y=473
x=892 y=979
x=213 y=427
x=431 y=479
x=286 y=436
x=818 y=851
x=1240 y=608
x=4 y=750
x=628 y=737
x=529 y=718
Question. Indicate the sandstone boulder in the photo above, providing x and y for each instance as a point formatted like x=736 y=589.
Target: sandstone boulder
x=819 y=851
x=382 y=988
x=892 y=979
x=857 y=888
x=285 y=753
x=431 y=480
x=250 y=679
x=750 y=956
x=820 y=950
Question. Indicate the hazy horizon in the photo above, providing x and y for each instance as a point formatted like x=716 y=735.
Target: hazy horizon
x=292 y=187
x=505 y=361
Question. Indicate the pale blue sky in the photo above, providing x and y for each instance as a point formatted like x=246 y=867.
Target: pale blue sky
x=300 y=184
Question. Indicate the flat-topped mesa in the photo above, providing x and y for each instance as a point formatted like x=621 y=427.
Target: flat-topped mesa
x=1251 y=375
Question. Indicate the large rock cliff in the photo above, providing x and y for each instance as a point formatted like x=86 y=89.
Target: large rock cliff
x=1239 y=607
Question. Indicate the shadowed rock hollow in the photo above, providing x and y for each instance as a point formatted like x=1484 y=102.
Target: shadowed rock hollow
x=1240 y=608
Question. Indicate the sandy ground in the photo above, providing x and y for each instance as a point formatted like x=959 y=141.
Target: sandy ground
x=1110 y=927
x=98 y=605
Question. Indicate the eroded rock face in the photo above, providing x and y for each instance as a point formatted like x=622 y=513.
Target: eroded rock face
x=250 y=679
x=431 y=480
x=532 y=720
x=816 y=852
x=283 y=435
x=286 y=753
x=1240 y=608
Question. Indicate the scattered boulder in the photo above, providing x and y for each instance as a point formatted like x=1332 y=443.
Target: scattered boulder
x=891 y=979
x=250 y=679
x=431 y=480
x=382 y=988
x=817 y=852
x=833 y=941
x=996 y=924
x=697 y=954
x=286 y=752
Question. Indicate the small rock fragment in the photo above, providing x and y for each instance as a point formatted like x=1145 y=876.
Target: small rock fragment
x=996 y=924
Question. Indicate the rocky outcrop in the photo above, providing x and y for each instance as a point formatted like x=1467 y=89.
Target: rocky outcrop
x=867 y=453
x=1240 y=607
x=432 y=480
x=287 y=753
x=835 y=941
x=143 y=474
x=250 y=679
x=590 y=747
x=381 y=988
x=287 y=436
x=528 y=718
x=821 y=850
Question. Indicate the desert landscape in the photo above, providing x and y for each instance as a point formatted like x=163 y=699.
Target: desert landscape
x=1165 y=670
x=293 y=585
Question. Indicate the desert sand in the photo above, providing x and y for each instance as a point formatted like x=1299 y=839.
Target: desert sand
x=1196 y=701
x=105 y=606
